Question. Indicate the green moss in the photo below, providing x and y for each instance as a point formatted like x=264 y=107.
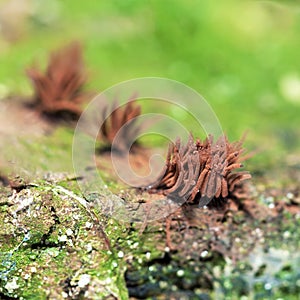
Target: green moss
x=63 y=242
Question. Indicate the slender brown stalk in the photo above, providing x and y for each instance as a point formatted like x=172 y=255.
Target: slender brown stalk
x=59 y=88
x=202 y=171
x=121 y=123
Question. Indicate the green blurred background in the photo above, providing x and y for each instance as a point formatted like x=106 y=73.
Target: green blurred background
x=242 y=56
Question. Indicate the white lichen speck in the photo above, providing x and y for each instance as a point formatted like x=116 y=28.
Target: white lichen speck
x=120 y=254
x=84 y=280
x=62 y=238
x=12 y=285
x=69 y=232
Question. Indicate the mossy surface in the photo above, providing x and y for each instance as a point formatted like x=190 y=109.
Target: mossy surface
x=51 y=246
x=56 y=245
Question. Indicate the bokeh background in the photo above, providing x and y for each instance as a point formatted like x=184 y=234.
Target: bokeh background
x=242 y=56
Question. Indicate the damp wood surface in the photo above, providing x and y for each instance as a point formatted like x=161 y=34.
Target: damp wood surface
x=50 y=239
